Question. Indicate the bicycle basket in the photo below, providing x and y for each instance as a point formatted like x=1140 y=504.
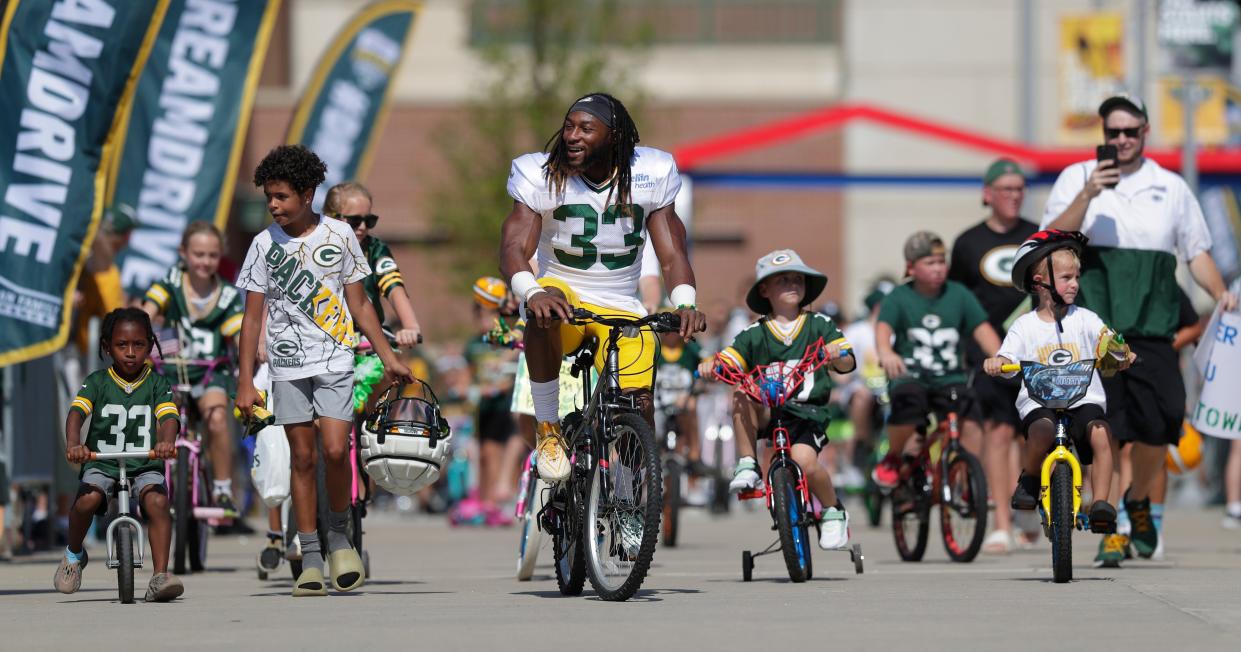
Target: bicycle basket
x=772 y=385
x=1057 y=387
x=406 y=442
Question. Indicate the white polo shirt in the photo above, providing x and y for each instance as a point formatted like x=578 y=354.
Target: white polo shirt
x=1151 y=209
x=1137 y=232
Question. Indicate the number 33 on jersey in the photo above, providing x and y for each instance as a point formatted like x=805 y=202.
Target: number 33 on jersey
x=124 y=416
x=587 y=240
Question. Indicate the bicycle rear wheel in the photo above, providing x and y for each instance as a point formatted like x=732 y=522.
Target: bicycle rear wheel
x=182 y=511
x=672 y=500
x=570 y=561
x=529 y=532
x=791 y=524
x=622 y=510
x=1062 y=523
x=963 y=514
x=911 y=522
x=125 y=557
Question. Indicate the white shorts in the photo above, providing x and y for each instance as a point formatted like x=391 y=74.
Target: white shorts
x=325 y=395
x=570 y=388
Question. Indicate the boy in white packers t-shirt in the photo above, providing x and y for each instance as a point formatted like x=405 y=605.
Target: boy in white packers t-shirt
x=307 y=273
x=1056 y=333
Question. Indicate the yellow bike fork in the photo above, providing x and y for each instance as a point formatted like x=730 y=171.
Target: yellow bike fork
x=1060 y=454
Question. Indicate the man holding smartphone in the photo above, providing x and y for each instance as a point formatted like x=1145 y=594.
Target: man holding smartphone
x=1140 y=219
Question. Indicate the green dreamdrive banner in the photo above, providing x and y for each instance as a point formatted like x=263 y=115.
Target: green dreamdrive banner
x=187 y=127
x=68 y=70
x=342 y=111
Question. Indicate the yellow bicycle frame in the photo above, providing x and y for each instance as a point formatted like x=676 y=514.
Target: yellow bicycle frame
x=1060 y=454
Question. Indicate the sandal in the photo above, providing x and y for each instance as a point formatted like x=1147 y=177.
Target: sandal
x=347 y=570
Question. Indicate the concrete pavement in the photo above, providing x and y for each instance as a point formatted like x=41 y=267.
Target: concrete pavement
x=436 y=587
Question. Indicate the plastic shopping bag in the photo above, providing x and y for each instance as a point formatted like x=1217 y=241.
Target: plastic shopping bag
x=272 y=459
x=270 y=471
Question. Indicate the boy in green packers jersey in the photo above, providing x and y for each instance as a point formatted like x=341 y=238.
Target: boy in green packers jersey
x=206 y=311
x=918 y=336
x=123 y=403
x=783 y=288
x=351 y=202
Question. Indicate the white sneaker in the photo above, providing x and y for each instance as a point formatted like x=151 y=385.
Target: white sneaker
x=850 y=477
x=834 y=529
x=745 y=476
x=1231 y=521
x=294 y=553
x=552 y=463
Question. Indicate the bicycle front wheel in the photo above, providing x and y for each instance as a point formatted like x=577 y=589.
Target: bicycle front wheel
x=182 y=512
x=125 y=559
x=963 y=510
x=623 y=506
x=672 y=500
x=1062 y=523
x=791 y=523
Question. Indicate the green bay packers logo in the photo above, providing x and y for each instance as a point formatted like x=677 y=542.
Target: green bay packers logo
x=285 y=348
x=1059 y=357
x=997 y=265
x=384 y=265
x=327 y=255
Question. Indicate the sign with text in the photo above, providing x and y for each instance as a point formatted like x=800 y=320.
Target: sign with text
x=342 y=110
x=187 y=128
x=1218 y=412
x=67 y=73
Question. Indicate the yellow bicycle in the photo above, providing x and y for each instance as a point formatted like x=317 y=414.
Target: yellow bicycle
x=1058 y=388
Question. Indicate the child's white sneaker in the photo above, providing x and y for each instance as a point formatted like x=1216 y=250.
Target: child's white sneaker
x=834 y=529
x=745 y=476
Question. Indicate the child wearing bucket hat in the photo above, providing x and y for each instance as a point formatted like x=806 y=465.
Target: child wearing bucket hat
x=921 y=328
x=783 y=287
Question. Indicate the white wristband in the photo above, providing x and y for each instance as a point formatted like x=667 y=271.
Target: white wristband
x=524 y=285
x=683 y=295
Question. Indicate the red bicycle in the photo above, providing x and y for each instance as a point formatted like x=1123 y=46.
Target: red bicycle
x=943 y=473
x=786 y=491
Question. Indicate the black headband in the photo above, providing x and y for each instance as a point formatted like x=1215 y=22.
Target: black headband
x=596 y=105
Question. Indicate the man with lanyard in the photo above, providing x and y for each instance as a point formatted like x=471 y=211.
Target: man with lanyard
x=981 y=259
x=586 y=207
x=1140 y=219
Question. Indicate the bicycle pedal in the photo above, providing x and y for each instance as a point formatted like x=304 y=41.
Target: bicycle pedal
x=1103 y=527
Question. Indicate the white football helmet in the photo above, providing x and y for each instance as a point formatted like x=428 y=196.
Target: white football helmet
x=406 y=443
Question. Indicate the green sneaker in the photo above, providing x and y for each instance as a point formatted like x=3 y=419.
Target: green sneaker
x=1111 y=551
x=1144 y=535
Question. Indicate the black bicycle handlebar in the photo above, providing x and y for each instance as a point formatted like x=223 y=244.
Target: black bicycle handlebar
x=660 y=322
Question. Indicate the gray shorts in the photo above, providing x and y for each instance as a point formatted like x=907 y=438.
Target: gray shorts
x=325 y=395
x=137 y=483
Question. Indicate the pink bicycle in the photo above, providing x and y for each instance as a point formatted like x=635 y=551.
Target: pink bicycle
x=186 y=476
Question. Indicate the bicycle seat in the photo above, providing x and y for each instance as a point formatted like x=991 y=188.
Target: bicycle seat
x=584 y=355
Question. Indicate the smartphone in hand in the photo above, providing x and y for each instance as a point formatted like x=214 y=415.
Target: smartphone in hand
x=1107 y=153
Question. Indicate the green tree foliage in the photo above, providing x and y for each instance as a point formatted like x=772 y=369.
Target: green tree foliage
x=547 y=54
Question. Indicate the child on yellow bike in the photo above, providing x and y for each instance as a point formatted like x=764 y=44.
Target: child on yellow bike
x=783 y=288
x=1056 y=333
x=206 y=311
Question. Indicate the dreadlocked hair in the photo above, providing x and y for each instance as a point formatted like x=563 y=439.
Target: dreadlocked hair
x=134 y=315
x=294 y=164
x=624 y=139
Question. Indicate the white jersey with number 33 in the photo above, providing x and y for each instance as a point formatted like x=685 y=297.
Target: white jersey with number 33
x=595 y=247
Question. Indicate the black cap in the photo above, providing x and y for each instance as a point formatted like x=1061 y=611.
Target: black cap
x=1132 y=103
